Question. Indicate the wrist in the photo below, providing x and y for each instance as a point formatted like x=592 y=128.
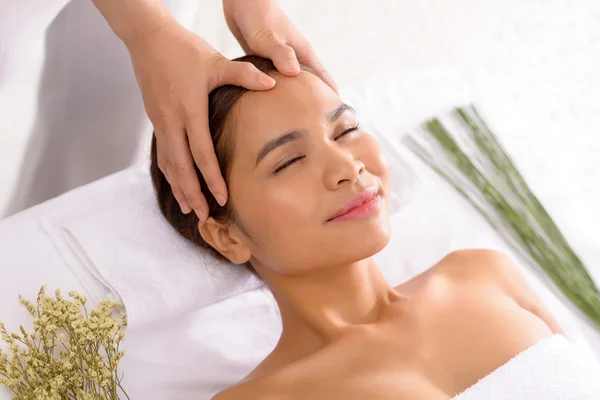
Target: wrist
x=231 y=7
x=148 y=27
x=131 y=20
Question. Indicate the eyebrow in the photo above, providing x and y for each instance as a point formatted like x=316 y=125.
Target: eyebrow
x=279 y=141
x=294 y=135
x=334 y=114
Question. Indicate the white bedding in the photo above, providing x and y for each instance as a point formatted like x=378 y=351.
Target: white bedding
x=196 y=354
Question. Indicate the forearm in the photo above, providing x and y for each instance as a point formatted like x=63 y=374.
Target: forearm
x=131 y=19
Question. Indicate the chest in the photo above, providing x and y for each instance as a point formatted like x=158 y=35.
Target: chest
x=454 y=340
x=435 y=350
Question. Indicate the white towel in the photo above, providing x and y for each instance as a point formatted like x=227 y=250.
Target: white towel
x=120 y=237
x=551 y=369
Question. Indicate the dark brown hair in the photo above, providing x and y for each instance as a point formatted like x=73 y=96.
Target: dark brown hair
x=220 y=104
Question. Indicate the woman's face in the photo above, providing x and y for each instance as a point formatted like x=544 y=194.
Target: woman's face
x=298 y=159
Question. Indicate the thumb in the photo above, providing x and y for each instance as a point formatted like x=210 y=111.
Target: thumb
x=268 y=45
x=284 y=58
x=244 y=74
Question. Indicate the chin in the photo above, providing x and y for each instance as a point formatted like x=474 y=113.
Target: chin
x=370 y=240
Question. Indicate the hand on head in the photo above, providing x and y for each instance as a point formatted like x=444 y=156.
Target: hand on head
x=176 y=70
x=308 y=188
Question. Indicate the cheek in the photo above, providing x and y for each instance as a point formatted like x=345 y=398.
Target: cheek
x=375 y=160
x=279 y=214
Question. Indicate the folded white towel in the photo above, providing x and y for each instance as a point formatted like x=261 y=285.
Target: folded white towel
x=124 y=241
x=552 y=369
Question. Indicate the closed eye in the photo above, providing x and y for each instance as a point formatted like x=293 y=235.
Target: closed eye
x=287 y=164
x=293 y=160
x=347 y=131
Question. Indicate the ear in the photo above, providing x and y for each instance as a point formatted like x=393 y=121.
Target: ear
x=226 y=240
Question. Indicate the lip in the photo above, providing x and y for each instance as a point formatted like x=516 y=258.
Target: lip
x=366 y=202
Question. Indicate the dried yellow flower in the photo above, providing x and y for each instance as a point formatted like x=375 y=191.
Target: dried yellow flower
x=70 y=354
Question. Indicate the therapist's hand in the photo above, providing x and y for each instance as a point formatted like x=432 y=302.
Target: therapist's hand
x=176 y=70
x=262 y=28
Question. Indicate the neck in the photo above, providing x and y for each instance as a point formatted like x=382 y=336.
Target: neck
x=320 y=306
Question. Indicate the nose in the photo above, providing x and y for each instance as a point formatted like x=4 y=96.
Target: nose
x=343 y=167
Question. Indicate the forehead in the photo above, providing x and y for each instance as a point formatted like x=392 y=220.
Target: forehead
x=294 y=103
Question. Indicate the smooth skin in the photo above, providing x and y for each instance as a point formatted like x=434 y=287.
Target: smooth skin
x=347 y=334
x=176 y=70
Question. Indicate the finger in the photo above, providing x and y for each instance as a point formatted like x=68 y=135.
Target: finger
x=244 y=74
x=164 y=165
x=180 y=197
x=284 y=58
x=268 y=45
x=203 y=153
x=307 y=56
x=183 y=172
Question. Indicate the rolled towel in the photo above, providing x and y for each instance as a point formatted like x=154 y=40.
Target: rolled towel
x=552 y=369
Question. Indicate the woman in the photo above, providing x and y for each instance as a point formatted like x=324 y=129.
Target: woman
x=309 y=194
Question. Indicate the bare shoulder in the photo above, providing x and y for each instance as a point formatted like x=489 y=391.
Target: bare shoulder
x=497 y=270
x=486 y=267
x=231 y=394
x=460 y=267
x=253 y=389
x=481 y=265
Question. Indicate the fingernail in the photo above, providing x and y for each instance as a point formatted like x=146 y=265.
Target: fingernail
x=185 y=208
x=220 y=199
x=266 y=80
x=201 y=215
